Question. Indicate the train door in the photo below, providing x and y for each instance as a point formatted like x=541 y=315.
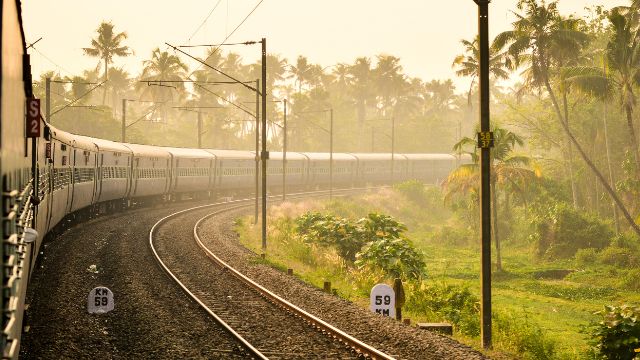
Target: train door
x=100 y=176
x=135 y=172
x=94 y=195
x=72 y=163
x=51 y=170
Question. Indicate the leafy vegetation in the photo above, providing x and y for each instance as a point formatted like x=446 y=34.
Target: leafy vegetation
x=617 y=335
x=540 y=303
x=561 y=231
x=374 y=242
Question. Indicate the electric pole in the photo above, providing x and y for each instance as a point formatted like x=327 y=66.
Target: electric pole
x=485 y=141
x=255 y=220
x=264 y=154
x=124 y=117
x=284 y=153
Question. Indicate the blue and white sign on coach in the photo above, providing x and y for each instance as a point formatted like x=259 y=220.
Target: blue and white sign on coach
x=383 y=300
x=100 y=300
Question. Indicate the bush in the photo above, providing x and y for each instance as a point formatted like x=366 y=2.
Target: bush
x=586 y=257
x=396 y=257
x=386 y=248
x=329 y=230
x=522 y=337
x=617 y=335
x=452 y=303
x=619 y=257
x=453 y=236
x=631 y=279
x=413 y=190
x=561 y=231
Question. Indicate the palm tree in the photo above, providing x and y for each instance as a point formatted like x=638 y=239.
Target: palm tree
x=389 y=81
x=508 y=171
x=533 y=42
x=107 y=45
x=622 y=75
x=162 y=66
x=119 y=83
x=299 y=71
x=361 y=90
x=468 y=64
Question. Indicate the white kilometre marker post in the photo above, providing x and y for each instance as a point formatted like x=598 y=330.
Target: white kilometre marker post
x=100 y=300
x=383 y=300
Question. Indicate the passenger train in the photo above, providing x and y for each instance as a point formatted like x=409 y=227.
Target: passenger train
x=79 y=176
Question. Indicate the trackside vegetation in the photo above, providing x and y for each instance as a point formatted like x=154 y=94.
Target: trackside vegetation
x=548 y=298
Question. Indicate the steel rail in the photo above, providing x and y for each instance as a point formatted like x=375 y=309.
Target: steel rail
x=226 y=326
x=356 y=344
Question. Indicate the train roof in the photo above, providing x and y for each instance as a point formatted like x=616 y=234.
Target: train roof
x=373 y=156
x=430 y=156
x=81 y=142
x=188 y=153
x=147 y=150
x=106 y=145
x=325 y=156
x=232 y=154
x=277 y=155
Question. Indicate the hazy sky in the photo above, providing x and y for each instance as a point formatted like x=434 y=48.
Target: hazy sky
x=424 y=34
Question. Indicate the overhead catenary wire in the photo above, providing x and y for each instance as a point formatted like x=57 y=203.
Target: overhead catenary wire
x=228 y=101
x=145 y=115
x=205 y=20
x=77 y=99
x=51 y=61
x=211 y=67
x=227 y=37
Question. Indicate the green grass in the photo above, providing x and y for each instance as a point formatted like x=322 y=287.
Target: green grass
x=560 y=308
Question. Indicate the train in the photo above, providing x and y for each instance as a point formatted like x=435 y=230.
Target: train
x=60 y=176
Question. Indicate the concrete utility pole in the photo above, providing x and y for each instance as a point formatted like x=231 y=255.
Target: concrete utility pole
x=485 y=141
x=284 y=153
x=264 y=154
x=47 y=89
x=331 y=155
x=393 y=145
x=124 y=118
x=255 y=220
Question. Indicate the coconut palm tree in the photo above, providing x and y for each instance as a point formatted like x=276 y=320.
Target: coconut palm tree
x=509 y=172
x=622 y=74
x=532 y=42
x=468 y=64
x=119 y=83
x=162 y=66
x=107 y=45
x=389 y=81
x=299 y=71
x=362 y=91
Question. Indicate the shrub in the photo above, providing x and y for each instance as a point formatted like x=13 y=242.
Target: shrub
x=452 y=303
x=626 y=241
x=631 y=279
x=413 y=190
x=585 y=257
x=620 y=257
x=329 y=230
x=561 y=231
x=617 y=335
x=396 y=257
x=453 y=236
x=519 y=335
x=379 y=226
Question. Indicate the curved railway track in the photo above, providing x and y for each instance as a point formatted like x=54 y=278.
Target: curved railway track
x=266 y=325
